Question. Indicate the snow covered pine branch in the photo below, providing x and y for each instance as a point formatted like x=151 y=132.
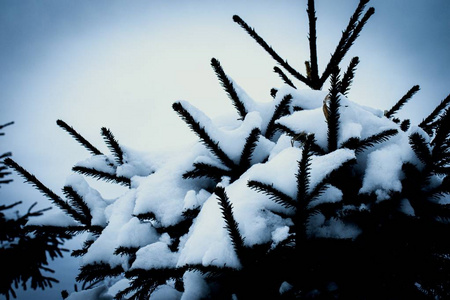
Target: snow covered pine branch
x=307 y=196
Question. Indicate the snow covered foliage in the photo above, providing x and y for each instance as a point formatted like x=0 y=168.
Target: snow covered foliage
x=309 y=195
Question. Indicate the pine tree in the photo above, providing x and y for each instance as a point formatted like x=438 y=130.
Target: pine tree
x=310 y=196
x=24 y=253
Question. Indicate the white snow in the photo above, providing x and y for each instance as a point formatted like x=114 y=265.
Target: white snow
x=155 y=256
x=91 y=197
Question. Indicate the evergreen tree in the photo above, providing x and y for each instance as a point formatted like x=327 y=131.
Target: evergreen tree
x=310 y=196
x=24 y=253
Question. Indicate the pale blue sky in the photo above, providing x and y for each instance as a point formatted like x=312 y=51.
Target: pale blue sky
x=121 y=64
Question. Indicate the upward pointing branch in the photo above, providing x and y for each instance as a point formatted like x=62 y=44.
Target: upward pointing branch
x=312 y=42
x=349 y=35
x=78 y=137
x=402 y=101
x=113 y=145
x=58 y=201
x=272 y=53
x=229 y=88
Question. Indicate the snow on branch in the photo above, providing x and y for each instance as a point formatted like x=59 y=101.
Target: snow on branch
x=113 y=145
x=97 y=174
x=230 y=223
x=202 y=134
x=227 y=84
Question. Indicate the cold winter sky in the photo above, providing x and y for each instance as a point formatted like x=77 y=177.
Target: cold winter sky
x=121 y=64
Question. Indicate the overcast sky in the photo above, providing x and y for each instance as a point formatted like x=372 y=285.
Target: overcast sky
x=121 y=64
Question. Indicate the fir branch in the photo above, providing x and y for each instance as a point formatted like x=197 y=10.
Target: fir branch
x=269 y=49
x=404 y=126
x=125 y=250
x=333 y=111
x=304 y=167
x=402 y=101
x=361 y=145
x=348 y=76
x=273 y=92
x=78 y=137
x=230 y=223
x=43 y=189
x=6 y=154
x=249 y=147
x=77 y=201
x=349 y=35
x=426 y=123
x=308 y=69
x=206 y=170
x=281 y=110
x=303 y=181
x=440 y=139
x=7 y=124
x=80 y=252
x=113 y=145
x=314 y=73
x=108 y=177
x=273 y=193
x=145 y=217
x=201 y=132
x=144 y=282
x=284 y=77
x=300 y=137
x=420 y=147
x=227 y=84
x=98 y=271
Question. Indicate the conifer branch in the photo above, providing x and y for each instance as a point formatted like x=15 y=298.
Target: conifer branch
x=426 y=123
x=361 y=145
x=440 y=141
x=113 y=145
x=402 y=101
x=230 y=223
x=201 y=133
x=77 y=201
x=303 y=181
x=98 y=271
x=80 y=252
x=349 y=35
x=304 y=167
x=420 y=147
x=281 y=110
x=6 y=154
x=108 y=177
x=227 y=84
x=7 y=124
x=273 y=92
x=249 y=147
x=269 y=49
x=313 y=64
x=348 y=76
x=284 y=77
x=274 y=194
x=206 y=170
x=333 y=111
x=404 y=126
x=78 y=137
x=43 y=189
